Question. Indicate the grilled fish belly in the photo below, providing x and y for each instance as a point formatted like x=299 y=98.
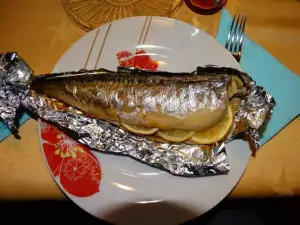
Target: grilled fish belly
x=160 y=100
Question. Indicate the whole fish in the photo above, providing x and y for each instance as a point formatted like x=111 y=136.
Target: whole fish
x=167 y=101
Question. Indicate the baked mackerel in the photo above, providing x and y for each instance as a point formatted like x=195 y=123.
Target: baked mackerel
x=167 y=101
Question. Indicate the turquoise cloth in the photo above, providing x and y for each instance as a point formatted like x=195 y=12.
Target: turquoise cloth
x=268 y=72
x=5 y=132
x=265 y=69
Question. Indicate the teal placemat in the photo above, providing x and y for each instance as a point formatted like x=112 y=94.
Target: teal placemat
x=5 y=132
x=268 y=72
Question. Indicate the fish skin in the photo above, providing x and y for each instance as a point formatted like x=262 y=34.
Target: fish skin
x=185 y=101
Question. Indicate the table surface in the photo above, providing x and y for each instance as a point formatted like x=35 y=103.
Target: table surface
x=41 y=32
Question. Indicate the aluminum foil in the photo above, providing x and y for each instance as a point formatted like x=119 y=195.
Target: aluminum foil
x=179 y=159
x=255 y=111
x=15 y=78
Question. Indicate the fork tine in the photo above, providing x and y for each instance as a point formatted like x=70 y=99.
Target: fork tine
x=234 y=33
x=242 y=34
x=229 y=33
x=238 y=36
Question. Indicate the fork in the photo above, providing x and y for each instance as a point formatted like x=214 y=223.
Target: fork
x=235 y=36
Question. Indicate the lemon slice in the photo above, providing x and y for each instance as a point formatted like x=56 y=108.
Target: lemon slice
x=238 y=81
x=215 y=133
x=176 y=135
x=232 y=88
x=155 y=138
x=139 y=130
x=234 y=85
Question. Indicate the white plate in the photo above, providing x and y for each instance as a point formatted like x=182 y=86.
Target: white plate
x=132 y=192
